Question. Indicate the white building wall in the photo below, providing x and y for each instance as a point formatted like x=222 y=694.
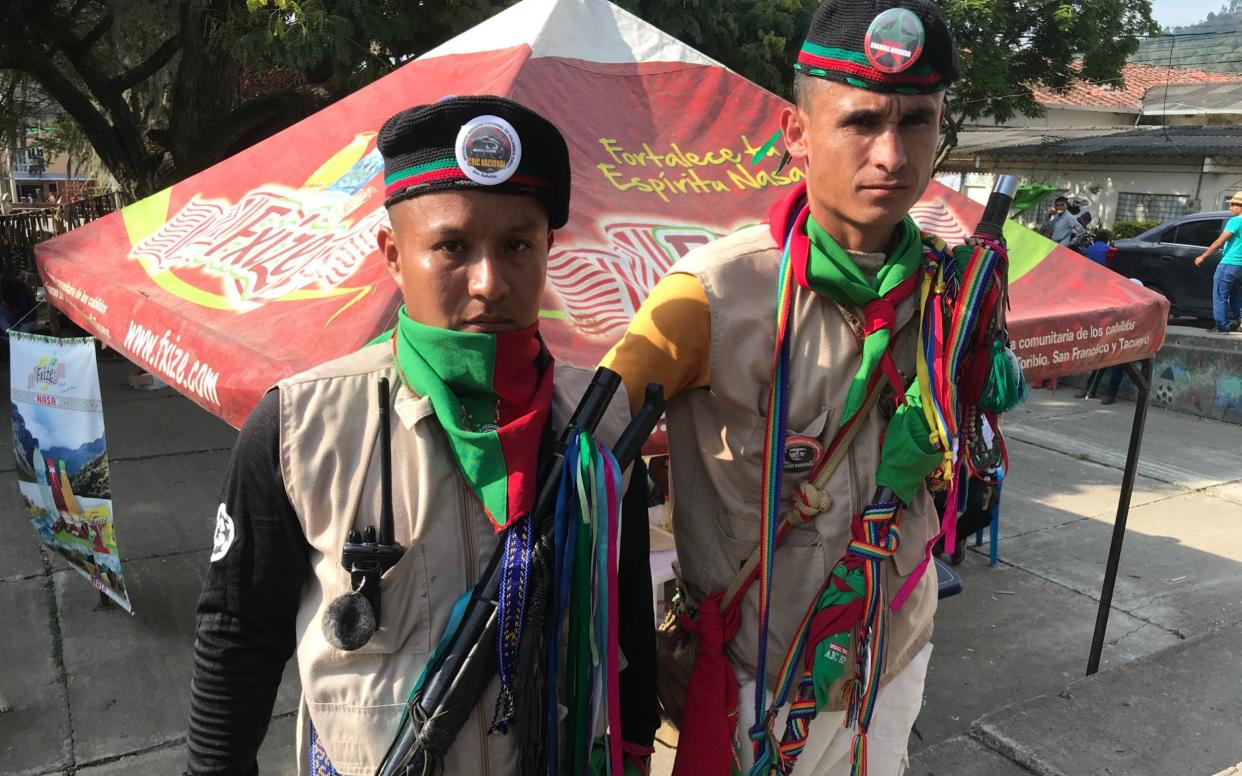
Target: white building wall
x=1100 y=184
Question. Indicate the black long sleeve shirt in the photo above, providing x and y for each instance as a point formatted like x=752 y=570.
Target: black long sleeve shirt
x=247 y=613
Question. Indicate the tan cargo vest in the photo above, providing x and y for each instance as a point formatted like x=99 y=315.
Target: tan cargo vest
x=328 y=457
x=716 y=450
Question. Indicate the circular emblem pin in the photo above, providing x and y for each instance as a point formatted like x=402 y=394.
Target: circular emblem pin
x=224 y=535
x=894 y=40
x=488 y=150
x=801 y=454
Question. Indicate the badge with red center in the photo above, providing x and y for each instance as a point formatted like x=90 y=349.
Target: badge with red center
x=894 y=40
x=801 y=454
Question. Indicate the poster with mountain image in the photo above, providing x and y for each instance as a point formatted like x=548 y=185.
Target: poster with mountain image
x=61 y=457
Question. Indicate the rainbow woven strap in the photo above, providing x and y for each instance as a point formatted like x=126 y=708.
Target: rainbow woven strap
x=773 y=458
x=876 y=538
x=955 y=303
x=880 y=523
x=587 y=540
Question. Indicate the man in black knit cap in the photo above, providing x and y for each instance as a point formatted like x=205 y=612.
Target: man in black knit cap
x=474 y=187
x=735 y=353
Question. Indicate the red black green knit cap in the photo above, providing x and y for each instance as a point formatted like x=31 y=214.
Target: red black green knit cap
x=479 y=143
x=901 y=46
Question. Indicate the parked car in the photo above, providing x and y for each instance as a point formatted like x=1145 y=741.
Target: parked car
x=1164 y=259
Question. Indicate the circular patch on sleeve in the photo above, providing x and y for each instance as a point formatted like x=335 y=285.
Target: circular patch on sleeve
x=488 y=150
x=224 y=535
x=894 y=40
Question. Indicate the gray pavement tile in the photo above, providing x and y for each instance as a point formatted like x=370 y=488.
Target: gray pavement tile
x=1178 y=448
x=962 y=756
x=1047 y=488
x=129 y=677
x=165 y=761
x=34 y=736
x=275 y=757
x=1175 y=712
x=168 y=504
x=19 y=551
x=162 y=425
x=1042 y=403
x=278 y=755
x=1181 y=563
x=1009 y=635
x=1230 y=491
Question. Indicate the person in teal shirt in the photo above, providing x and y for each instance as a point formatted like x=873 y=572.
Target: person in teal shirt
x=1226 y=296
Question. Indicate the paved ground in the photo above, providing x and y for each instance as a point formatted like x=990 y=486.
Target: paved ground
x=95 y=691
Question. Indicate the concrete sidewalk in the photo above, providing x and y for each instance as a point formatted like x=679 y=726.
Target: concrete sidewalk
x=1021 y=631
x=95 y=691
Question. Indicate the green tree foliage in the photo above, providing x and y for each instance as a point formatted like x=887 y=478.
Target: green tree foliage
x=1123 y=230
x=163 y=88
x=1212 y=44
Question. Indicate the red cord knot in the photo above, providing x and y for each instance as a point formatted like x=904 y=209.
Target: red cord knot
x=878 y=314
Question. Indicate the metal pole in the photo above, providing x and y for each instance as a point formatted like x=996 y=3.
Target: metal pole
x=1141 y=374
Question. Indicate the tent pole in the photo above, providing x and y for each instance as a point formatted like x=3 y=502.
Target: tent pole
x=1141 y=374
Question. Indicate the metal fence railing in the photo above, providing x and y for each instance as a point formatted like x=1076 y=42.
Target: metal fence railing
x=23 y=228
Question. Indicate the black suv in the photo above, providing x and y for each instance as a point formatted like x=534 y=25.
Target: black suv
x=1164 y=259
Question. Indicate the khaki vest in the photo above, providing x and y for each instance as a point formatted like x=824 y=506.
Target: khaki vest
x=716 y=450
x=328 y=455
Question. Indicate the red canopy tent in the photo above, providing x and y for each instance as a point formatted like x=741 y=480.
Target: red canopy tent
x=265 y=264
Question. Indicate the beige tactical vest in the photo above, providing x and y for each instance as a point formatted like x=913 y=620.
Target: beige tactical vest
x=716 y=449
x=328 y=455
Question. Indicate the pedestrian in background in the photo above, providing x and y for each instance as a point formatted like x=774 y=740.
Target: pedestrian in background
x=1063 y=226
x=1226 y=298
x=1097 y=251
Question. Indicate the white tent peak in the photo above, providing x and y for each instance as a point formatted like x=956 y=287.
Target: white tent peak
x=590 y=30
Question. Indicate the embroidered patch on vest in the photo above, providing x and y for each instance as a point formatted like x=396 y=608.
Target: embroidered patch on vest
x=320 y=765
x=224 y=535
x=801 y=454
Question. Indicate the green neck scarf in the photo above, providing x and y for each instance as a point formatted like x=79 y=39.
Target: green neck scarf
x=493 y=401
x=830 y=271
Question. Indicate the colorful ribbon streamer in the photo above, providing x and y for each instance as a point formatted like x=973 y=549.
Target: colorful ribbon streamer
x=587 y=543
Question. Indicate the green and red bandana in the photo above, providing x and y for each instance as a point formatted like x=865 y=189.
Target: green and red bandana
x=819 y=264
x=492 y=394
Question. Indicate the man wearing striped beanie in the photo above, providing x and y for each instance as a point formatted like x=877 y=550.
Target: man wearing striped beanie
x=474 y=187
x=797 y=335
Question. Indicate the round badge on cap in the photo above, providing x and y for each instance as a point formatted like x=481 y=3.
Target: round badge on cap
x=894 y=40
x=488 y=150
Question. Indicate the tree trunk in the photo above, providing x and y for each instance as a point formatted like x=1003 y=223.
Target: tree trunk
x=948 y=140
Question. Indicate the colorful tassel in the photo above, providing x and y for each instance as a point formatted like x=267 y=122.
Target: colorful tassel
x=1006 y=385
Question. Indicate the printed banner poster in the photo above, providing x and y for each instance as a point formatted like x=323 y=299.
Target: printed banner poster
x=61 y=456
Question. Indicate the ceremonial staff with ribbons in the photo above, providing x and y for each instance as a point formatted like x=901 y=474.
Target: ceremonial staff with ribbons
x=824 y=371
